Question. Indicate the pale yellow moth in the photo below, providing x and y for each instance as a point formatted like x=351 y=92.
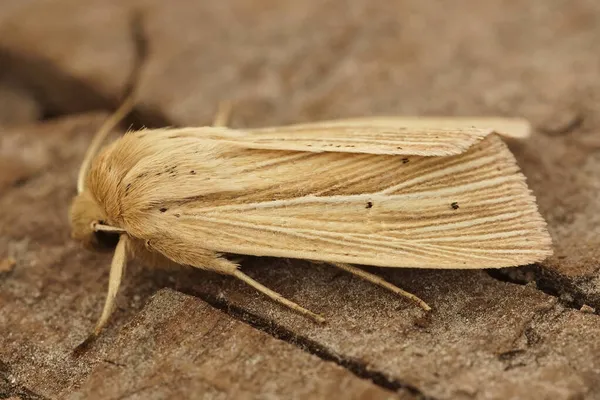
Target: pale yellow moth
x=389 y=192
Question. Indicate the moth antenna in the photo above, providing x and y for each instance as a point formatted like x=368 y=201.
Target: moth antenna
x=277 y=297
x=126 y=106
x=379 y=281
x=223 y=114
x=124 y=109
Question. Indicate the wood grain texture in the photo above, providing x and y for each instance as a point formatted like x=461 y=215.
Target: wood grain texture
x=180 y=347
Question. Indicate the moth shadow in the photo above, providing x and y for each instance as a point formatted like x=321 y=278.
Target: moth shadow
x=322 y=287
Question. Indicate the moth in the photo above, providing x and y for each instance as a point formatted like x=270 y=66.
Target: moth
x=389 y=191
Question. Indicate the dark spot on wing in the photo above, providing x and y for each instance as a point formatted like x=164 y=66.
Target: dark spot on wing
x=454 y=206
x=369 y=204
x=405 y=160
x=171 y=170
x=163 y=209
x=21 y=181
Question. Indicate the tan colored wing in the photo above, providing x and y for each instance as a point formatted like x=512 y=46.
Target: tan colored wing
x=350 y=138
x=473 y=210
x=425 y=136
x=517 y=128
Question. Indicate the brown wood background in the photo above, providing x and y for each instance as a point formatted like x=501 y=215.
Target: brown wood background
x=512 y=334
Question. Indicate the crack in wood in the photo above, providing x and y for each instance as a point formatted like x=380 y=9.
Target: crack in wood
x=356 y=367
x=553 y=284
x=111 y=362
x=29 y=70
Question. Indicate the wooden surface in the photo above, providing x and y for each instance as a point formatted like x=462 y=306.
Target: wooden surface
x=517 y=333
x=204 y=351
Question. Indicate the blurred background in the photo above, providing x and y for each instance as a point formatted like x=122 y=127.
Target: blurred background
x=294 y=61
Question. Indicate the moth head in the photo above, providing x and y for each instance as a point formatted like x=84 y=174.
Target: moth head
x=85 y=213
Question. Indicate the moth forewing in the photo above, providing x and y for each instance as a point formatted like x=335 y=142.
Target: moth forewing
x=518 y=128
x=351 y=138
x=426 y=136
x=472 y=210
x=386 y=192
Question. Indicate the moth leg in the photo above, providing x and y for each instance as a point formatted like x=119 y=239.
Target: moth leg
x=211 y=261
x=277 y=297
x=117 y=267
x=377 y=280
x=223 y=114
x=227 y=267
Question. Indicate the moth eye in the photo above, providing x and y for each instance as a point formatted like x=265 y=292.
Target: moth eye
x=106 y=240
